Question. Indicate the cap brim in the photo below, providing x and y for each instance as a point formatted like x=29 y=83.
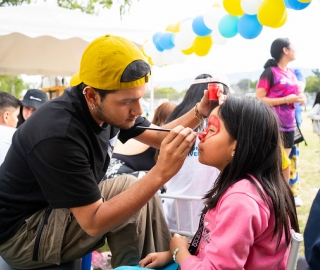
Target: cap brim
x=75 y=79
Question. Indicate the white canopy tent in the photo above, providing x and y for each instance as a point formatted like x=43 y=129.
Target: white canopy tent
x=49 y=40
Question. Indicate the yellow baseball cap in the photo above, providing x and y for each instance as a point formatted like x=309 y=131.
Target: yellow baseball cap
x=104 y=61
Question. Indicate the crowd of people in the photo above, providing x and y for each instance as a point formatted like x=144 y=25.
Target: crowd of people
x=88 y=173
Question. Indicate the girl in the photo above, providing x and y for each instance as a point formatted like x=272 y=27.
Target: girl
x=250 y=210
x=278 y=87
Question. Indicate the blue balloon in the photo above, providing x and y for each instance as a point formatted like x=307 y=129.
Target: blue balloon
x=155 y=39
x=295 y=4
x=249 y=27
x=199 y=27
x=228 y=26
x=165 y=41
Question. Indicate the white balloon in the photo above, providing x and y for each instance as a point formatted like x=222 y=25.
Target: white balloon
x=156 y=59
x=183 y=40
x=212 y=17
x=149 y=48
x=217 y=38
x=250 y=6
x=167 y=57
x=186 y=26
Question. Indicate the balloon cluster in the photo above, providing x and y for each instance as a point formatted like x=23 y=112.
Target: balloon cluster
x=197 y=35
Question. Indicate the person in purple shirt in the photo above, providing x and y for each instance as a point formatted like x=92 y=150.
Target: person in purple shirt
x=278 y=87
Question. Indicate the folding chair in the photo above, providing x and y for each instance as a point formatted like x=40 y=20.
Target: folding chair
x=188 y=200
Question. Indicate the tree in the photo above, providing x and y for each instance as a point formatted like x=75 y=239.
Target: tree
x=312 y=84
x=316 y=72
x=88 y=6
x=12 y=84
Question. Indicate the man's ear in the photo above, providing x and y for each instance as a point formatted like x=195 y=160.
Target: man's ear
x=90 y=96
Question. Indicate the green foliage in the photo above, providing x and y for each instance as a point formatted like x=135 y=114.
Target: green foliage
x=316 y=72
x=13 y=2
x=12 y=84
x=89 y=6
x=166 y=93
x=312 y=84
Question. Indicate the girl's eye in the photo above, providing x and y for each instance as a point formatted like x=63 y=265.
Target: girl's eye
x=127 y=102
x=212 y=130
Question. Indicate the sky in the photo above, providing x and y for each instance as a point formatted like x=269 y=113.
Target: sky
x=237 y=55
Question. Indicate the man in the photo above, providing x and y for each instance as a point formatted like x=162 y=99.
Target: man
x=32 y=100
x=9 y=110
x=55 y=208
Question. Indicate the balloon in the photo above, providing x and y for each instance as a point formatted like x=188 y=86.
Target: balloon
x=283 y=21
x=149 y=48
x=157 y=59
x=228 y=26
x=202 y=45
x=212 y=17
x=173 y=56
x=217 y=38
x=296 y=5
x=188 y=51
x=165 y=41
x=199 y=27
x=155 y=39
x=249 y=26
x=233 y=7
x=186 y=26
x=183 y=41
x=304 y=1
x=174 y=28
x=250 y=6
x=271 y=12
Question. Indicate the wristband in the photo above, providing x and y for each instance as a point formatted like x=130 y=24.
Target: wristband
x=198 y=114
x=287 y=100
x=175 y=254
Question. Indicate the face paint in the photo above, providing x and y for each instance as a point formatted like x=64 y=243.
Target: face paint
x=213 y=121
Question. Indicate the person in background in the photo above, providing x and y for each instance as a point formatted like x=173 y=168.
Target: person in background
x=249 y=212
x=295 y=151
x=186 y=181
x=134 y=157
x=31 y=101
x=9 y=110
x=278 y=87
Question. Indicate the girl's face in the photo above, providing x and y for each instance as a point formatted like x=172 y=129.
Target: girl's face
x=290 y=52
x=216 y=147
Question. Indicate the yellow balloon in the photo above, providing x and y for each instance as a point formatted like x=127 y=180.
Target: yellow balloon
x=271 y=13
x=233 y=7
x=304 y=1
x=202 y=45
x=188 y=51
x=283 y=21
x=150 y=61
x=173 y=28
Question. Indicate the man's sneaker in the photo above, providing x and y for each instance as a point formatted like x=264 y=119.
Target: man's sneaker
x=298 y=201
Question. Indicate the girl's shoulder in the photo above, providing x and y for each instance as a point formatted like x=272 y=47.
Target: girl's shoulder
x=247 y=188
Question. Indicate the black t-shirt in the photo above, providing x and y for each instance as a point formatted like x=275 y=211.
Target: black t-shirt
x=57 y=158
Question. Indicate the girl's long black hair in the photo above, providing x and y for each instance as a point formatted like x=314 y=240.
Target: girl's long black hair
x=276 y=51
x=254 y=126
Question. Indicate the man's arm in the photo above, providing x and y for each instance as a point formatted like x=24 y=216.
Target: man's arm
x=204 y=108
x=100 y=217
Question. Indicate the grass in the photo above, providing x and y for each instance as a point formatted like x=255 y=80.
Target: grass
x=309 y=174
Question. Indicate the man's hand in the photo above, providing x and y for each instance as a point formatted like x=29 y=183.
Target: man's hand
x=173 y=151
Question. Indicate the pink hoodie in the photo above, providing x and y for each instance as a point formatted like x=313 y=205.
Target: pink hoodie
x=238 y=234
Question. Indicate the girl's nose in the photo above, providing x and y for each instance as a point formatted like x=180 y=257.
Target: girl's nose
x=202 y=135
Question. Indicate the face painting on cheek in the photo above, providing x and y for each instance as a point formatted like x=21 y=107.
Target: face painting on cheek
x=212 y=121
